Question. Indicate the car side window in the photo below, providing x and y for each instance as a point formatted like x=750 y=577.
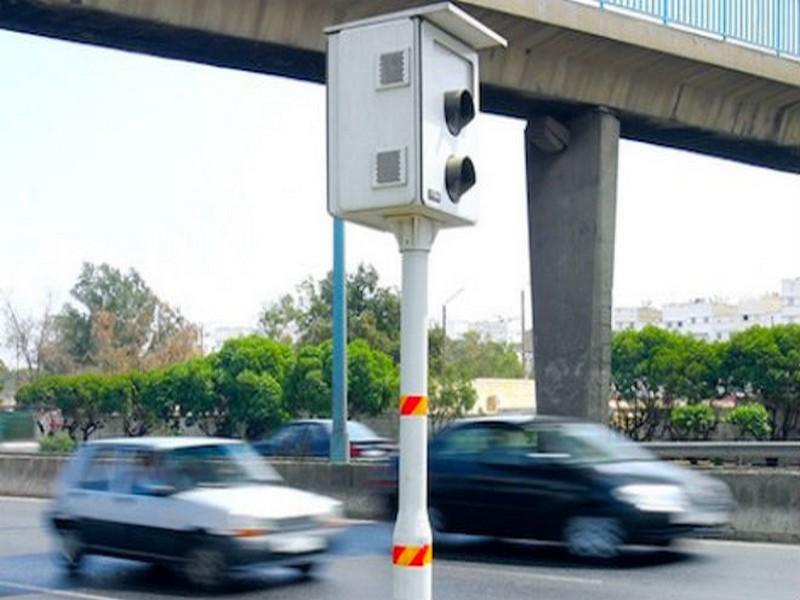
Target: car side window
x=317 y=439
x=137 y=472
x=100 y=470
x=552 y=442
x=467 y=440
x=485 y=438
x=286 y=439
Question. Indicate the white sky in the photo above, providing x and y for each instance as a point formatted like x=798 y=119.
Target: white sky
x=211 y=183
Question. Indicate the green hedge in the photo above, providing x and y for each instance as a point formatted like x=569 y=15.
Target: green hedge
x=246 y=389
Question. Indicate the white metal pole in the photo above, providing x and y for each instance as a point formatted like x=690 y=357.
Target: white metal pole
x=412 y=551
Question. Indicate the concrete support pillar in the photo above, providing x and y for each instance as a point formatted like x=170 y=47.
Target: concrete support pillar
x=572 y=199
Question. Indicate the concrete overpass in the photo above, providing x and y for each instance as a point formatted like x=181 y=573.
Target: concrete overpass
x=580 y=76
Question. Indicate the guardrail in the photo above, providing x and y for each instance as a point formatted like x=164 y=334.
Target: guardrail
x=771 y=454
x=771 y=25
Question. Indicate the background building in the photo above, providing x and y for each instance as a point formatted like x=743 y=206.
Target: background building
x=497 y=396
x=790 y=293
x=636 y=318
x=716 y=320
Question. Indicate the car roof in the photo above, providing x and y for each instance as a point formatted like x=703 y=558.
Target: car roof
x=164 y=443
x=515 y=419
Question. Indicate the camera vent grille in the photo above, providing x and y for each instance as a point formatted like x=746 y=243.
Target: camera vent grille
x=390 y=168
x=393 y=69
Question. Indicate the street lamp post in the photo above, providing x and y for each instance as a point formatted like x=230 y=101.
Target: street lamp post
x=452 y=297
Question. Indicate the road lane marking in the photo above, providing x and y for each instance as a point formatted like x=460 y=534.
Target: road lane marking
x=720 y=542
x=5 y=498
x=52 y=592
x=520 y=571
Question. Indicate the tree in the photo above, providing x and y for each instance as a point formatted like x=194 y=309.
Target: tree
x=85 y=401
x=186 y=391
x=307 y=391
x=119 y=324
x=451 y=397
x=4 y=375
x=33 y=341
x=372 y=380
x=473 y=356
x=373 y=313
x=279 y=320
x=763 y=364
x=750 y=419
x=249 y=374
x=693 y=421
x=653 y=367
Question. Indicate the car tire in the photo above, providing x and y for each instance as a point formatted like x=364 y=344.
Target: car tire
x=593 y=537
x=71 y=549
x=205 y=567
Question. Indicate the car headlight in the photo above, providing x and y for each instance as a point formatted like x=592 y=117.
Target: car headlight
x=653 y=497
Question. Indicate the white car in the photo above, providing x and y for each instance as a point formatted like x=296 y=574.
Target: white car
x=205 y=504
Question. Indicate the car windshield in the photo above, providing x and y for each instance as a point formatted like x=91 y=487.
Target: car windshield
x=357 y=432
x=587 y=443
x=216 y=465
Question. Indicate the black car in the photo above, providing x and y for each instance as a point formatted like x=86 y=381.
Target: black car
x=557 y=479
x=311 y=438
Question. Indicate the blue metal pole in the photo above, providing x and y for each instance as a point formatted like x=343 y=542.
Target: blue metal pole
x=340 y=445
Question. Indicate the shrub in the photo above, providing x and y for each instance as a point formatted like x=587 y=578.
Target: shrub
x=57 y=443
x=693 y=421
x=750 y=419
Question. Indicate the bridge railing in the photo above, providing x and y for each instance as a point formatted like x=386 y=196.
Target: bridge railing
x=739 y=453
x=771 y=25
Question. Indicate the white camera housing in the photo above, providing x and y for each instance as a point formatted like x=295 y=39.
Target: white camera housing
x=393 y=149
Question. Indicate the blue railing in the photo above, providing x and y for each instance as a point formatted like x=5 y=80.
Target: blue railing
x=772 y=25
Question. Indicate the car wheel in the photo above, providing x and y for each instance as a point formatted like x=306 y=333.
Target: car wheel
x=71 y=550
x=593 y=537
x=205 y=567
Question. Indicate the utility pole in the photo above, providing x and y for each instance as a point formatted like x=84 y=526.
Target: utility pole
x=444 y=328
x=340 y=444
x=522 y=339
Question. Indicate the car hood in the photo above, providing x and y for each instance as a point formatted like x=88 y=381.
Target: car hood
x=649 y=470
x=700 y=488
x=272 y=501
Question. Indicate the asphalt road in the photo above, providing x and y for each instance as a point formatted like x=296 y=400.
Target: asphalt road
x=464 y=569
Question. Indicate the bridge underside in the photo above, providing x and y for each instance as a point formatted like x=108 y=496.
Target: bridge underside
x=558 y=62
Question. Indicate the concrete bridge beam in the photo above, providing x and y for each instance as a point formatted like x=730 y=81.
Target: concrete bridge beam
x=572 y=200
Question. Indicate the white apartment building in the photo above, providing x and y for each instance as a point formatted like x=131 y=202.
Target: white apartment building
x=636 y=318
x=709 y=320
x=790 y=293
x=765 y=311
x=715 y=320
x=501 y=330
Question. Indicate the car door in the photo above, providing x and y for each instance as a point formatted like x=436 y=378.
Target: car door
x=461 y=487
x=536 y=484
x=317 y=441
x=289 y=440
x=153 y=519
x=91 y=501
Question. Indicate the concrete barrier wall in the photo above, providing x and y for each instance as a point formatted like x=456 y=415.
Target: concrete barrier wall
x=769 y=503
x=768 y=499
